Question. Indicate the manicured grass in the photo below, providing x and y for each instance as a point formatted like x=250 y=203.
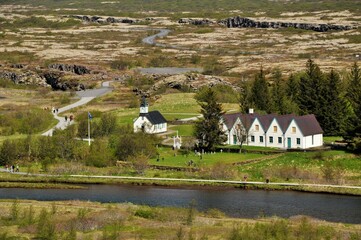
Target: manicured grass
x=183 y=130
x=330 y=139
x=244 y=147
x=169 y=157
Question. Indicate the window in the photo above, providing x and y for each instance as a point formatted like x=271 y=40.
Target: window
x=261 y=139
x=298 y=141
x=252 y=138
x=279 y=139
x=274 y=128
x=234 y=139
x=293 y=129
x=256 y=127
x=271 y=139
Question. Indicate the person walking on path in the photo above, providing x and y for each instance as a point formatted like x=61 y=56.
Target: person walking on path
x=66 y=118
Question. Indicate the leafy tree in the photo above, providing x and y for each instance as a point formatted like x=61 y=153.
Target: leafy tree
x=100 y=154
x=8 y=152
x=208 y=130
x=129 y=145
x=107 y=124
x=259 y=93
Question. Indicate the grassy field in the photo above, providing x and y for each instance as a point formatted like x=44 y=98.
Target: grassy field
x=329 y=166
x=202 y=7
x=169 y=157
x=89 y=220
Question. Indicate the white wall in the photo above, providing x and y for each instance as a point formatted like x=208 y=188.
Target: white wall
x=317 y=141
x=294 y=136
x=149 y=128
x=270 y=133
x=256 y=134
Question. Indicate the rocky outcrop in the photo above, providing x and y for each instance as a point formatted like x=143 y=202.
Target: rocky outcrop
x=54 y=80
x=28 y=77
x=77 y=69
x=40 y=77
x=193 y=81
x=198 y=22
x=240 y=22
x=97 y=19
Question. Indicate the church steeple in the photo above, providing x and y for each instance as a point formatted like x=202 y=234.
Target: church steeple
x=144 y=105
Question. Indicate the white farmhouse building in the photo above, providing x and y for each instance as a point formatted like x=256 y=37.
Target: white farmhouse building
x=280 y=131
x=149 y=122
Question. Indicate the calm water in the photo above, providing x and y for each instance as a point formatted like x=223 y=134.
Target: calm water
x=234 y=202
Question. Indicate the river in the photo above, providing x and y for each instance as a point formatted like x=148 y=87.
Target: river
x=233 y=202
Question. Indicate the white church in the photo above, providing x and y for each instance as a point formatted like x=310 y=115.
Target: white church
x=149 y=122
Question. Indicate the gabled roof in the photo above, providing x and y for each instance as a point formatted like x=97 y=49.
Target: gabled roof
x=266 y=120
x=154 y=117
x=284 y=121
x=230 y=119
x=248 y=119
x=308 y=125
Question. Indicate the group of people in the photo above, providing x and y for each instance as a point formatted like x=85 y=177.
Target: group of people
x=12 y=168
x=71 y=117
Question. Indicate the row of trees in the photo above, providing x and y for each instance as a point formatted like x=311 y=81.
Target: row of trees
x=335 y=103
x=120 y=144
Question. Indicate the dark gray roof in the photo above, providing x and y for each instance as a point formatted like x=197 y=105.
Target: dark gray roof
x=154 y=117
x=308 y=124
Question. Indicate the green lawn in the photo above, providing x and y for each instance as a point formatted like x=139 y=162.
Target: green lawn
x=183 y=130
x=177 y=159
x=330 y=139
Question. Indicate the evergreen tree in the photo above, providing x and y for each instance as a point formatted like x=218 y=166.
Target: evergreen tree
x=354 y=88
x=292 y=88
x=313 y=91
x=354 y=121
x=312 y=86
x=259 y=93
x=278 y=93
x=208 y=130
x=334 y=113
x=245 y=102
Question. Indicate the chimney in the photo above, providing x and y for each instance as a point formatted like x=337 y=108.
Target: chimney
x=251 y=111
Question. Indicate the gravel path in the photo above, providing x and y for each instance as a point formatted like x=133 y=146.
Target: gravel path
x=85 y=97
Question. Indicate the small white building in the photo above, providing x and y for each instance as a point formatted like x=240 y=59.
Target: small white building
x=149 y=122
x=280 y=131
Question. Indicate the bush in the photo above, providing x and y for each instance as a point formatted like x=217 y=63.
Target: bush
x=145 y=212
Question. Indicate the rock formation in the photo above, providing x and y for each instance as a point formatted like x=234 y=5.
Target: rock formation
x=77 y=69
x=198 y=22
x=40 y=77
x=97 y=19
x=193 y=81
x=240 y=22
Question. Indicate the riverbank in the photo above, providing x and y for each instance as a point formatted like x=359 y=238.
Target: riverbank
x=90 y=220
x=43 y=181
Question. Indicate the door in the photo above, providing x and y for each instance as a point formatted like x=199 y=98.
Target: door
x=234 y=139
x=289 y=143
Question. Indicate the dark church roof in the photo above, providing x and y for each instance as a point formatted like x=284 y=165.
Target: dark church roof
x=154 y=117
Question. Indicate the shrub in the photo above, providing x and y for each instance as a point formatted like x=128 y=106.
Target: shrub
x=145 y=212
